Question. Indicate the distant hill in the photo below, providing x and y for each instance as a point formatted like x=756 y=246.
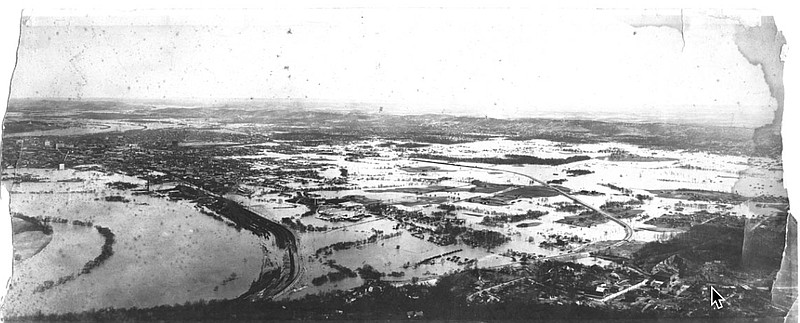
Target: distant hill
x=431 y=128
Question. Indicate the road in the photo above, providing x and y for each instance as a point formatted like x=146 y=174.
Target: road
x=271 y=284
x=627 y=227
x=276 y=288
x=575 y=252
x=470 y=297
x=617 y=294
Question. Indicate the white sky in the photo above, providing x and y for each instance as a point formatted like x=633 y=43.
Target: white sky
x=496 y=62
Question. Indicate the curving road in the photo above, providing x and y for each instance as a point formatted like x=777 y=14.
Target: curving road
x=271 y=284
x=627 y=227
x=268 y=286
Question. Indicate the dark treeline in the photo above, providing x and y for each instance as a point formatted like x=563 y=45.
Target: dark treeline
x=578 y=172
x=507 y=159
x=499 y=220
x=106 y=252
x=120 y=185
x=33 y=224
x=403 y=145
x=568 y=207
x=344 y=245
x=390 y=302
x=701 y=243
x=298 y=225
x=341 y=273
x=367 y=272
x=116 y=198
x=617 y=188
x=483 y=238
x=442 y=301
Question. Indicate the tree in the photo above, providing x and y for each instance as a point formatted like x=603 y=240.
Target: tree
x=320 y=280
x=367 y=272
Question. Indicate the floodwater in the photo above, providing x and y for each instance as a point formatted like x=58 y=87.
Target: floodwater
x=377 y=177
x=165 y=252
x=196 y=257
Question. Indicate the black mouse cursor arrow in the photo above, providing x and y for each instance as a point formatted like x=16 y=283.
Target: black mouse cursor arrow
x=716 y=298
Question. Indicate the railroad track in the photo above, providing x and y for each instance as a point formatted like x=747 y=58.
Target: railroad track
x=628 y=229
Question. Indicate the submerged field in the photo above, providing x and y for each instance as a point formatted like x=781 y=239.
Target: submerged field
x=165 y=252
x=169 y=205
x=392 y=177
x=358 y=210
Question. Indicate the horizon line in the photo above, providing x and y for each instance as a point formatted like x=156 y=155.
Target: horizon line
x=545 y=114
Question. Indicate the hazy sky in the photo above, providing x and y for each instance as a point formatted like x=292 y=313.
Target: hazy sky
x=498 y=62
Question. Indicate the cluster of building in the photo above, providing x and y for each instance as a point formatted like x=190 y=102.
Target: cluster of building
x=139 y=153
